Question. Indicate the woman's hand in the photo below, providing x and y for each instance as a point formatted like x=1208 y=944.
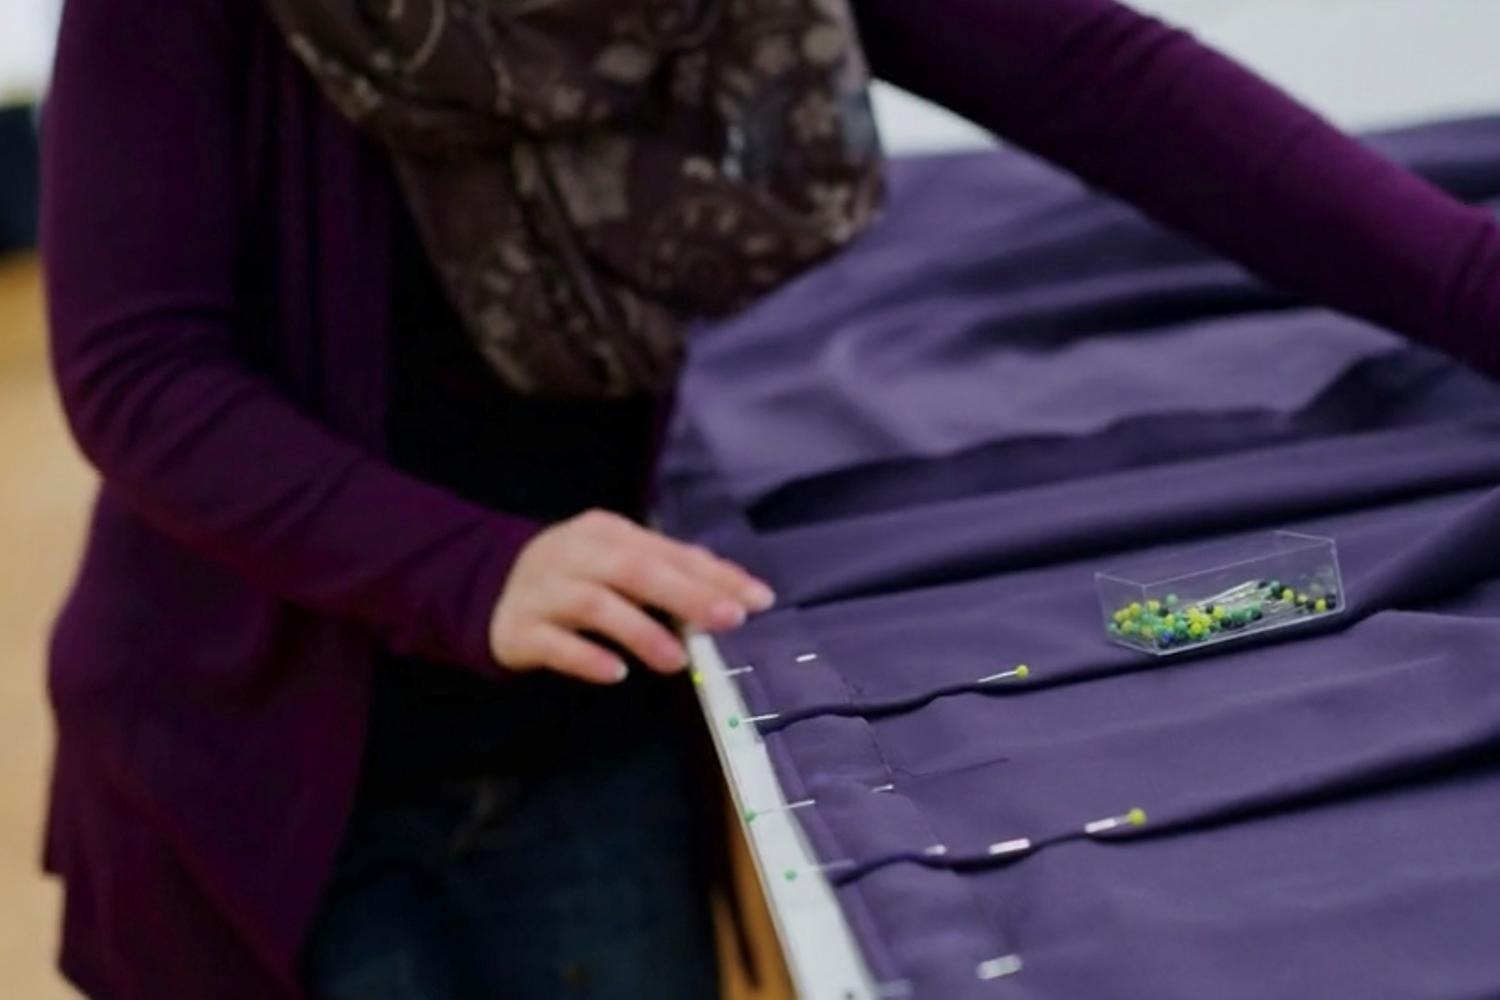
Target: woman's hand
x=597 y=573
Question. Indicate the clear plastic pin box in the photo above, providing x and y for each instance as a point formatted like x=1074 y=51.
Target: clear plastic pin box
x=1221 y=592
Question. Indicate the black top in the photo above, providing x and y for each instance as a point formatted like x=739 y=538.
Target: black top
x=454 y=423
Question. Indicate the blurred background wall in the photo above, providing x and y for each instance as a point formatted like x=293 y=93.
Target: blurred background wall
x=1364 y=62
x=27 y=28
x=44 y=491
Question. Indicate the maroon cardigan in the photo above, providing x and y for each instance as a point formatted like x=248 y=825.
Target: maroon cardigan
x=216 y=246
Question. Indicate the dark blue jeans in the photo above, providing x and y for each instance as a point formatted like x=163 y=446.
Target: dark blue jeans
x=585 y=882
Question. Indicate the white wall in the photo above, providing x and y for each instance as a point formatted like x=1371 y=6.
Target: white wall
x=1364 y=63
x=27 y=28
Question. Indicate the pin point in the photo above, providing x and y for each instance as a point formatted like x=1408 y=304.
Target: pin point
x=791 y=874
x=1019 y=674
x=1018 y=846
x=998 y=968
x=751 y=814
x=735 y=721
x=1136 y=818
x=807 y=657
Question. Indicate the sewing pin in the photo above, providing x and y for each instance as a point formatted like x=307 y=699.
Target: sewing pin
x=739 y=670
x=1018 y=846
x=883 y=788
x=1019 y=674
x=1136 y=818
x=791 y=873
x=751 y=814
x=735 y=720
x=807 y=657
x=998 y=968
x=1232 y=594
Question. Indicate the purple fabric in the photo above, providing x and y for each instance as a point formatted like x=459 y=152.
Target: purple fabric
x=1322 y=803
x=852 y=321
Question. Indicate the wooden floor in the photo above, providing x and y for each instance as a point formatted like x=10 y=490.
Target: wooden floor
x=44 y=494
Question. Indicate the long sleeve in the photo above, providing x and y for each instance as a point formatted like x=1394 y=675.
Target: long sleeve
x=142 y=230
x=1147 y=113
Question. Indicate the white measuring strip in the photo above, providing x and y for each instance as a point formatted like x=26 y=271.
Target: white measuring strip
x=819 y=947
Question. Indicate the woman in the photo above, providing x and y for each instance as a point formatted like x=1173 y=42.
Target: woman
x=367 y=315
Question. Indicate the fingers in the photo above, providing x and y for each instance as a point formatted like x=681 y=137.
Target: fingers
x=657 y=582
x=725 y=575
x=598 y=609
x=600 y=574
x=555 y=648
x=686 y=581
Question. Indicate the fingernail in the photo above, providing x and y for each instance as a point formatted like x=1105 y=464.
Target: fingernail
x=760 y=597
x=727 y=614
x=621 y=671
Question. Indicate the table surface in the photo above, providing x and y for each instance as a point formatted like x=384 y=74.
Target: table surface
x=816 y=941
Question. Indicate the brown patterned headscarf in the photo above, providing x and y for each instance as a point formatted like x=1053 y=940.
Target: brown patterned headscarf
x=590 y=175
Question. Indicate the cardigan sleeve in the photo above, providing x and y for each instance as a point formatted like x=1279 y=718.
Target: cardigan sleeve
x=1145 y=112
x=142 y=228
